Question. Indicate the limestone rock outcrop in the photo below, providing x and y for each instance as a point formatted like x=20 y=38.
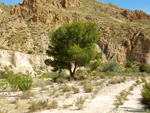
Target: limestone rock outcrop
x=21 y=62
x=39 y=11
x=70 y=3
x=135 y=15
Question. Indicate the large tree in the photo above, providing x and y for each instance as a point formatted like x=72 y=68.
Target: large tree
x=73 y=46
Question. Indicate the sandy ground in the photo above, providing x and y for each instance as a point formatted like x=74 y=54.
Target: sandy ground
x=103 y=102
x=134 y=103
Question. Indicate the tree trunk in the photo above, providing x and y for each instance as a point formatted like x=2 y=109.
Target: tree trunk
x=72 y=73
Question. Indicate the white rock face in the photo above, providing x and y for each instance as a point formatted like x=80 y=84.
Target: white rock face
x=22 y=62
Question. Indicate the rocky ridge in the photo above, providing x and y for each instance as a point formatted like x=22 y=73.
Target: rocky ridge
x=124 y=33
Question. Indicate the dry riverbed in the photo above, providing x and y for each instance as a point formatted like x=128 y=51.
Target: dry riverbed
x=97 y=94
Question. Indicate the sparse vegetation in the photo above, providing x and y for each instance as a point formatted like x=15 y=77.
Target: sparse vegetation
x=75 y=90
x=146 y=93
x=128 y=64
x=53 y=104
x=111 y=67
x=88 y=88
x=66 y=88
x=21 y=82
x=144 y=68
x=80 y=103
x=27 y=95
x=121 y=98
x=38 y=106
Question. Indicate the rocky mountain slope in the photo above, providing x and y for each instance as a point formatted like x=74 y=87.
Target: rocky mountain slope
x=125 y=34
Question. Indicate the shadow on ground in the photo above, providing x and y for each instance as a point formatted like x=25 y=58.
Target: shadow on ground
x=133 y=110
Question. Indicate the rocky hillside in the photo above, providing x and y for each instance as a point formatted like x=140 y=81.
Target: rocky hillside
x=125 y=34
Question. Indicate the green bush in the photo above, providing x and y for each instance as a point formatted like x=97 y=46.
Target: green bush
x=21 y=82
x=146 y=93
x=135 y=69
x=111 y=67
x=128 y=64
x=55 y=76
x=81 y=74
x=5 y=75
x=30 y=52
x=144 y=68
x=24 y=83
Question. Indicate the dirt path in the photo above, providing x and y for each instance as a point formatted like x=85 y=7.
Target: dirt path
x=102 y=103
x=134 y=102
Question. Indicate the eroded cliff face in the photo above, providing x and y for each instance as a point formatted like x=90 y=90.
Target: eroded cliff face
x=24 y=63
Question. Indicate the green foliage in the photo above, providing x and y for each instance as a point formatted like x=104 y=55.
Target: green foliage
x=133 y=69
x=57 y=77
x=144 y=68
x=5 y=75
x=128 y=64
x=24 y=83
x=111 y=67
x=146 y=93
x=81 y=75
x=21 y=82
x=30 y=52
x=72 y=46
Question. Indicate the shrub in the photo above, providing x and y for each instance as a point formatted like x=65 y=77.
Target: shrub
x=27 y=95
x=80 y=103
x=3 y=85
x=128 y=64
x=88 y=88
x=146 y=93
x=21 y=82
x=55 y=75
x=61 y=80
x=75 y=90
x=135 y=69
x=5 y=75
x=36 y=106
x=53 y=104
x=66 y=88
x=49 y=75
x=80 y=74
x=111 y=67
x=24 y=83
x=30 y=52
x=144 y=68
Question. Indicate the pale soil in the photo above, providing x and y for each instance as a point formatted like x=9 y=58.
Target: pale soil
x=134 y=102
x=102 y=102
